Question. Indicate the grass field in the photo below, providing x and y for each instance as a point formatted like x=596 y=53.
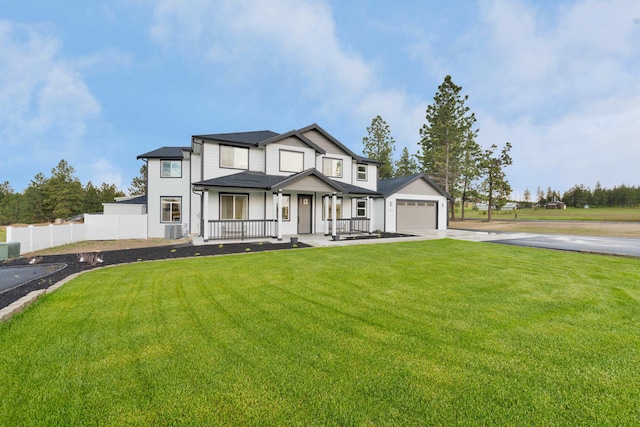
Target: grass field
x=417 y=333
x=569 y=214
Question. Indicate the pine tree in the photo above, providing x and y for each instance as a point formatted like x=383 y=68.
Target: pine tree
x=379 y=145
x=449 y=125
x=407 y=164
x=139 y=183
x=496 y=186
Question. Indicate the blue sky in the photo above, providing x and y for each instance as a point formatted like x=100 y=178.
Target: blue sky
x=98 y=83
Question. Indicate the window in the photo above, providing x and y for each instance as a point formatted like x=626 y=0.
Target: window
x=291 y=161
x=338 y=208
x=286 y=200
x=234 y=206
x=234 y=157
x=170 y=168
x=332 y=167
x=361 y=208
x=171 y=208
x=362 y=172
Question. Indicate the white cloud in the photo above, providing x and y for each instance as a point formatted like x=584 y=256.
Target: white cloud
x=103 y=171
x=42 y=98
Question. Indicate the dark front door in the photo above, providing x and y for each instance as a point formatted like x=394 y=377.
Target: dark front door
x=304 y=214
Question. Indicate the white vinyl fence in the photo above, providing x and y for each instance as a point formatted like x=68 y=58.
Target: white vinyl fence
x=95 y=227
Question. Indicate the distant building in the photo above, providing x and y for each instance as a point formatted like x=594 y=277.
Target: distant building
x=556 y=205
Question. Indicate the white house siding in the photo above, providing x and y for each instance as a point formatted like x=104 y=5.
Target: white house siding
x=195 y=205
x=166 y=187
x=372 y=177
x=290 y=144
x=211 y=161
x=123 y=209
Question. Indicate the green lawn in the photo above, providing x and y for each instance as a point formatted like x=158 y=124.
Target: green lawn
x=417 y=333
x=569 y=214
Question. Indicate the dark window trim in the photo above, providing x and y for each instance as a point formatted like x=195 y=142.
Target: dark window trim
x=280 y=160
x=366 y=172
x=283 y=196
x=233 y=146
x=341 y=169
x=181 y=210
x=230 y=194
x=366 y=208
x=170 y=160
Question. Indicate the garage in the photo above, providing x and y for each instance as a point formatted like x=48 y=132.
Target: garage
x=414 y=215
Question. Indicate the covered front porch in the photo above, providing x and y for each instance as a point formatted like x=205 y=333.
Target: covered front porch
x=251 y=205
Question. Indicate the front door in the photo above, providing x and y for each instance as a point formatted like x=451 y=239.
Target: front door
x=304 y=214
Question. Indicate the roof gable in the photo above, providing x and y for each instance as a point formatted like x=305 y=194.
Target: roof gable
x=293 y=134
x=393 y=185
x=334 y=141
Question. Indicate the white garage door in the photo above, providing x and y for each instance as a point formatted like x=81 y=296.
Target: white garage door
x=412 y=215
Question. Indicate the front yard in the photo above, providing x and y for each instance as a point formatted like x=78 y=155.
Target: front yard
x=433 y=332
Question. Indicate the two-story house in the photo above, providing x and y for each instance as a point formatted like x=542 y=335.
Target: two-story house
x=265 y=184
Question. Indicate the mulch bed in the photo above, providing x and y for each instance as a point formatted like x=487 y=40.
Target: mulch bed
x=75 y=265
x=375 y=236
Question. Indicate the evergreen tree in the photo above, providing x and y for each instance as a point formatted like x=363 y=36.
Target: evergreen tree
x=469 y=171
x=449 y=126
x=63 y=195
x=139 y=183
x=32 y=208
x=407 y=164
x=496 y=186
x=379 y=145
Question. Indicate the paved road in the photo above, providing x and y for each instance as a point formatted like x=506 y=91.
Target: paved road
x=603 y=245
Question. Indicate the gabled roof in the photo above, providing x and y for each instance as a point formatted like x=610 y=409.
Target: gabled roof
x=392 y=185
x=327 y=135
x=262 y=181
x=239 y=138
x=295 y=134
x=169 y=153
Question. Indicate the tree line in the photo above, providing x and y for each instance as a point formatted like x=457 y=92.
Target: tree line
x=447 y=152
x=620 y=196
x=46 y=199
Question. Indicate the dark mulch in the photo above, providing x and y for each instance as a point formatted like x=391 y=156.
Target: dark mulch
x=74 y=265
x=375 y=236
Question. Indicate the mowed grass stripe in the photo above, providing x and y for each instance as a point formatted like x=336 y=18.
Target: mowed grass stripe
x=439 y=332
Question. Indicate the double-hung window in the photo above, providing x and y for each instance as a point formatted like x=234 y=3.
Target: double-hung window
x=170 y=168
x=362 y=172
x=332 y=167
x=171 y=208
x=361 y=208
x=234 y=157
x=234 y=206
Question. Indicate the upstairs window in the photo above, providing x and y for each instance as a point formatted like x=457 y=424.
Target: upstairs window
x=291 y=161
x=234 y=157
x=362 y=173
x=170 y=168
x=332 y=167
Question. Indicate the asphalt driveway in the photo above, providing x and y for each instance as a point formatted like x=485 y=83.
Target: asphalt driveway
x=587 y=244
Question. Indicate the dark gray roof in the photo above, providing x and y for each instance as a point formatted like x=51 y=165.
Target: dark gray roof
x=262 y=181
x=392 y=185
x=240 y=138
x=327 y=135
x=168 y=153
x=138 y=200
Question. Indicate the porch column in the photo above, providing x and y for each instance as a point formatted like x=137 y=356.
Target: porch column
x=370 y=210
x=274 y=214
x=205 y=215
x=334 y=222
x=279 y=214
x=325 y=207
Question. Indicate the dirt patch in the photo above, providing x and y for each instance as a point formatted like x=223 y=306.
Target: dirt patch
x=106 y=245
x=577 y=228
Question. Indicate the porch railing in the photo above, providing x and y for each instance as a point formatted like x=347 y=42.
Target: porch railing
x=350 y=225
x=240 y=229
